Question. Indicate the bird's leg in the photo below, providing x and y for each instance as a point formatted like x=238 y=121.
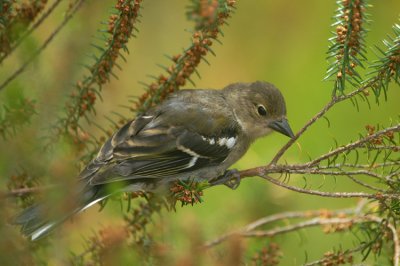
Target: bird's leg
x=231 y=179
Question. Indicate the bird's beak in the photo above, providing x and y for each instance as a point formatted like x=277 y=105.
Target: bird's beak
x=282 y=126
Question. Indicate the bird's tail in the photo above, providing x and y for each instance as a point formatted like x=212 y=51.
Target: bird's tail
x=37 y=221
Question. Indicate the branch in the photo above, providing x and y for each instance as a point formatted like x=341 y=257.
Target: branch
x=393 y=231
x=346 y=252
x=378 y=195
x=24 y=191
x=305 y=169
x=355 y=144
x=283 y=216
x=249 y=231
x=369 y=166
x=387 y=67
x=348 y=45
x=210 y=16
x=316 y=222
x=81 y=103
x=325 y=109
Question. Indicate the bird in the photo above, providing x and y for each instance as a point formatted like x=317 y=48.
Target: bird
x=194 y=134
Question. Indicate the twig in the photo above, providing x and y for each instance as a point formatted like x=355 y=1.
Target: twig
x=78 y=4
x=361 y=183
x=331 y=194
x=346 y=252
x=369 y=166
x=329 y=105
x=308 y=167
x=255 y=224
x=324 y=221
x=23 y=191
x=396 y=245
x=355 y=144
x=301 y=225
x=396 y=241
x=283 y=216
x=303 y=169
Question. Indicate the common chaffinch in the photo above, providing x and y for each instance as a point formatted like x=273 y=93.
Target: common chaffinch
x=193 y=134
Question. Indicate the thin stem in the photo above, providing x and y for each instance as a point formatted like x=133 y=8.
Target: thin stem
x=361 y=183
x=255 y=224
x=354 y=145
x=347 y=252
x=327 y=221
x=369 y=166
x=301 y=225
x=302 y=169
x=330 y=194
x=24 y=191
x=282 y=216
x=329 y=105
x=395 y=237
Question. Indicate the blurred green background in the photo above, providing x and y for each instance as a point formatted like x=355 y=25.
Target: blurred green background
x=280 y=41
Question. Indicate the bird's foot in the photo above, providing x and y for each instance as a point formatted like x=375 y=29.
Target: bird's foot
x=231 y=179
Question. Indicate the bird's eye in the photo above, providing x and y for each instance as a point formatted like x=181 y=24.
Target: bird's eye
x=261 y=110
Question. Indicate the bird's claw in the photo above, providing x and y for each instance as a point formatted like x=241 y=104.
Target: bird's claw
x=231 y=179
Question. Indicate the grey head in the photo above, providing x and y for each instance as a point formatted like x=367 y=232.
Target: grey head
x=259 y=108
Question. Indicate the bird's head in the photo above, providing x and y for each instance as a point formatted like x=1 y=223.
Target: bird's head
x=259 y=108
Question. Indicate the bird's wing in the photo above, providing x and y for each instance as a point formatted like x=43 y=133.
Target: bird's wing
x=149 y=147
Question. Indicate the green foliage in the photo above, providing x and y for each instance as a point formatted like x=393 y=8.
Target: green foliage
x=387 y=67
x=14 y=114
x=209 y=17
x=188 y=193
x=205 y=14
x=347 y=50
x=120 y=28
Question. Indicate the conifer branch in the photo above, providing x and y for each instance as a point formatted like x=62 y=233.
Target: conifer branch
x=347 y=48
x=387 y=67
x=121 y=26
x=330 y=221
x=209 y=16
x=25 y=191
x=339 y=257
x=319 y=115
x=323 y=213
x=370 y=139
x=384 y=136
